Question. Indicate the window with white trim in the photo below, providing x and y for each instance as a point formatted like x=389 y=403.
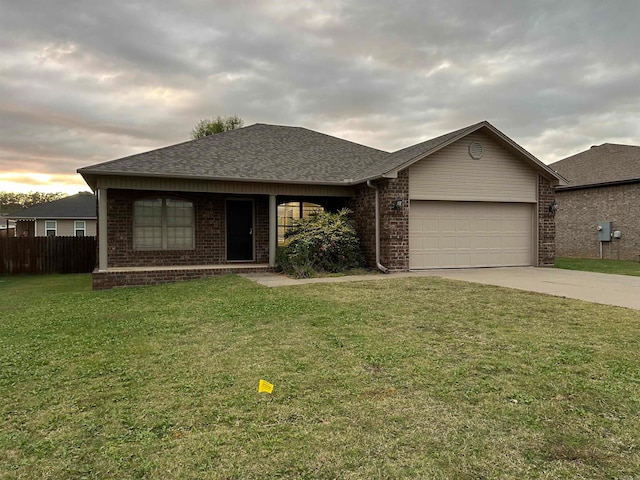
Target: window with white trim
x=80 y=228
x=50 y=228
x=163 y=224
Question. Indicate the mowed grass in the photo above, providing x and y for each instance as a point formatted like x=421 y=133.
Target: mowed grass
x=619 y=267
x=397 y=378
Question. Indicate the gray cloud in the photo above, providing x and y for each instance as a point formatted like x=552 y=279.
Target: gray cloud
x=84 y=82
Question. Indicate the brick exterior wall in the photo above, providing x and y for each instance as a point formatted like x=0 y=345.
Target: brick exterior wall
x=363 y=205
x=394 y=224
x=210 y=236
x=546 y=223
x=580 y=211
x=107 y=280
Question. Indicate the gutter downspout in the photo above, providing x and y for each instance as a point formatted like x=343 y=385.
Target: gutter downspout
x=382 y=268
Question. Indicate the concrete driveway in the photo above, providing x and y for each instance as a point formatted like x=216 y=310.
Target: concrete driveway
x=618 y=290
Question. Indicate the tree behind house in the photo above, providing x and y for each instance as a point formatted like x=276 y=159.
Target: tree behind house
x=11 y=202
x=210 y=126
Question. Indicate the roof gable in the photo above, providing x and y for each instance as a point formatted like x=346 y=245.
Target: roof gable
x=279 y=154
x=604 y=164
x=408 y=156
x=81 y=205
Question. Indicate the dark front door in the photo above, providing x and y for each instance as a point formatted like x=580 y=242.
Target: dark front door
x=240 y=230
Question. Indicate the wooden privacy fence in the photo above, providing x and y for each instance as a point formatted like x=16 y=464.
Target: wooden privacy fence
x=47 y=255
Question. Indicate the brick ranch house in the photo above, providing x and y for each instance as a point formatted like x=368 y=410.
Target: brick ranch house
x=469 y=198
x=603 y=186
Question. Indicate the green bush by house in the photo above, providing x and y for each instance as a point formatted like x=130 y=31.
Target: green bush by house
x=324 y=242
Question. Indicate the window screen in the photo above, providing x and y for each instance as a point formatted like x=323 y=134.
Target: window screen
x=163 y=223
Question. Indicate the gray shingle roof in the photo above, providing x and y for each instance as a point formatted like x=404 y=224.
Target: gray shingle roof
x=271 y=153
x=602 y=164
x=256 y=153
x=81 y=205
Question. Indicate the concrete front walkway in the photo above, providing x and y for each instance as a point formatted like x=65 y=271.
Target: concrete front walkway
x=619 y=290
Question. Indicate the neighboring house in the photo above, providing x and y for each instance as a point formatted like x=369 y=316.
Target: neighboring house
x=472 y=197
x=603 y=186
x=71 y=216
x=7 y=227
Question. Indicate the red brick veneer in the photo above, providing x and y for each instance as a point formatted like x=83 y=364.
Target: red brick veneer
x=107 y=280
x=210 y=236
x=546 y=223
x=394 y=224
x=580 y=211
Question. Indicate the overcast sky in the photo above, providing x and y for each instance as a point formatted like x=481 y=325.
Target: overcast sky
x=83 y=82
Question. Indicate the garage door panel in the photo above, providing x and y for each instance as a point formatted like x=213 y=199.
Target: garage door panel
x=463 y=241
x=480 y=225
x=482 y=241
x=446 y=224
x=470 y=234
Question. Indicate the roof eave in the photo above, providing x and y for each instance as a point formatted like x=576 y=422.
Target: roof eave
x=92 y=176
x=89 y=179
x=564 y=188
x=55 y=217
x=545 y=168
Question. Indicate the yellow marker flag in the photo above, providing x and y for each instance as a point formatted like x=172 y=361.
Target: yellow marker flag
x=265 y=386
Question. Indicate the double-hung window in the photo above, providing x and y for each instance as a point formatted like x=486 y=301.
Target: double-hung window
x=163 y=224
x=50 y=228
x=80 y=228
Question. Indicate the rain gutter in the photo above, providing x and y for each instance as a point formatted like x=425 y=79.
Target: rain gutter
x=382 y=268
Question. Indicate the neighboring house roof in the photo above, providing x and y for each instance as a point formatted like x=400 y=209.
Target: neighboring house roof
x=271 y=153
x=604 y=164
x=80 y=205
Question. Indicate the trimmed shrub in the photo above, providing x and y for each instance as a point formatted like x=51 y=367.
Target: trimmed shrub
x=324 y=242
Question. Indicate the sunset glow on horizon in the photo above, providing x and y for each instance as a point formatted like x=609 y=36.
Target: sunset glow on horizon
x=21 y=182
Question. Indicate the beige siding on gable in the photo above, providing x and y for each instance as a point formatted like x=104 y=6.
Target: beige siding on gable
x=66 y=228
x=451 y=174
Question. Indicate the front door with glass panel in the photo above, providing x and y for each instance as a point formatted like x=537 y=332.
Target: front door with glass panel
x=240 y=230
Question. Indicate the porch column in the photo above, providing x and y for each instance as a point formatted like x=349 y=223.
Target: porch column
x=102 y=229
x=273 y=230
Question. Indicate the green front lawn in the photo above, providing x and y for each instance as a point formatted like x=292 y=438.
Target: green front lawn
x=619 y=267
x=397 y=378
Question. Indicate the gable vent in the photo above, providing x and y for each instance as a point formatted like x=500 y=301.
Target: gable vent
x=475 y=150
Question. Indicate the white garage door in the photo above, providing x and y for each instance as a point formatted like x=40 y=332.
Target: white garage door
x=470 y=234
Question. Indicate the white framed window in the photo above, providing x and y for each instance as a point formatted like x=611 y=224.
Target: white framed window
x=50 y=228
x=80 y=228
x=163 y=224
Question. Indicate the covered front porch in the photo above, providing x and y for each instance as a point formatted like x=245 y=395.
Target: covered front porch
x=162 y=234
